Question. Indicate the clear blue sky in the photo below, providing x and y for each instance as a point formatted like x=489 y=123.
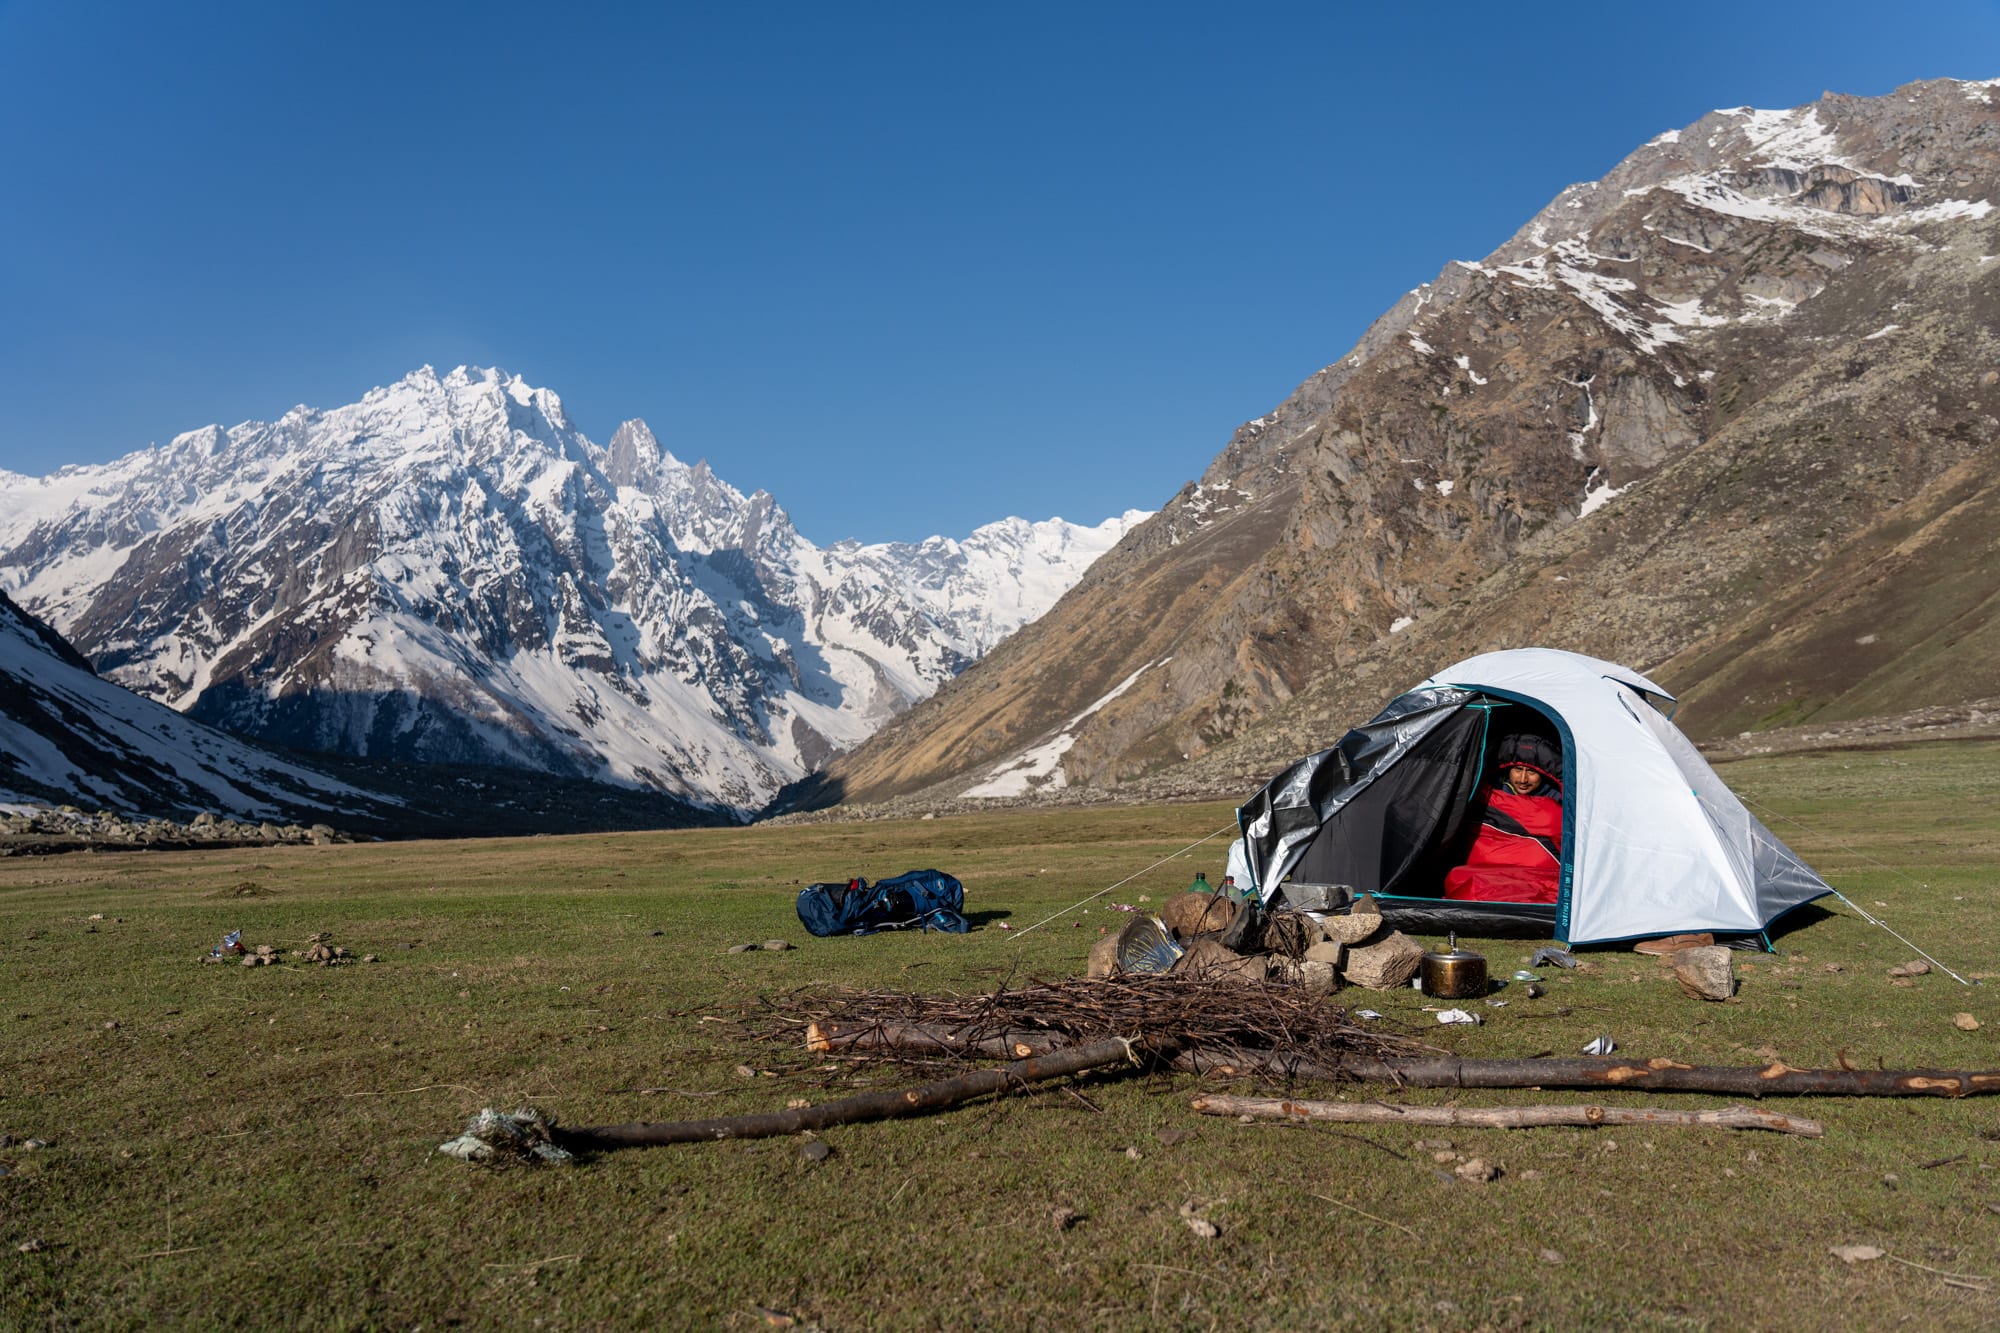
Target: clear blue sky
x=910 y=267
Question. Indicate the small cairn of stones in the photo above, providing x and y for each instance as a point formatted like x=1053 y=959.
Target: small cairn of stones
x=1315 y=952
x=320 y=949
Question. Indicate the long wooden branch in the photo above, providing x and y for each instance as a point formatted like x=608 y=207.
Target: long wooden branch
x=1773 y=1080
x=1581 y=1072
x=869 y=1106
x=1504 y=1117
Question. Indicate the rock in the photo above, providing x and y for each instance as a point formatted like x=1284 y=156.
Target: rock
x=1103 y=958
x=1315 y=977
x=370 y=958
x=1476 y=1170
x=1386 y=964
x=1707 y=973
x=1365 y=906
x=816 y=1151
x=776 y=946
x=742 y=948
x=1209 y=958
x=1327 y=951
x=1190 y=914
x=1965 y=1022
x=1914 y=968
x=1353 y=928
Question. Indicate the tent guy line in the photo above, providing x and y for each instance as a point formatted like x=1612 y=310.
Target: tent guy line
x=1872 y=920
x=1226 y=828
x=1860 y=911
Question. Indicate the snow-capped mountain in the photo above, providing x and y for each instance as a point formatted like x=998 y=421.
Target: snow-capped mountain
x=449 y=571
x=1730 y=414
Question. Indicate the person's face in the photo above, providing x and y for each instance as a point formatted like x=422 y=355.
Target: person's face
x=1521 y=779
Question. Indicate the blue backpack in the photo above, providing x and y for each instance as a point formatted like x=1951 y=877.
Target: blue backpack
x=925 y=899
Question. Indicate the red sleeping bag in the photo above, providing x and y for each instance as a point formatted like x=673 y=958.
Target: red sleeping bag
x=1517 y=857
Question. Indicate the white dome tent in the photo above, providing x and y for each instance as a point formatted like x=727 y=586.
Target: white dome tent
x=1653 y=841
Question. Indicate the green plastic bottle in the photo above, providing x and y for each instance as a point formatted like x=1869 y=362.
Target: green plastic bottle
x=1200 y=884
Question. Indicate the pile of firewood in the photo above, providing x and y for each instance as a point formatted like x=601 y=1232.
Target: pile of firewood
x=1317 y=953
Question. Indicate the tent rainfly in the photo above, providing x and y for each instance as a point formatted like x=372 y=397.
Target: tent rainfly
x=1653 y=843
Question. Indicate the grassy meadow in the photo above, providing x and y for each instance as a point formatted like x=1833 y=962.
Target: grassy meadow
x=256 y=1147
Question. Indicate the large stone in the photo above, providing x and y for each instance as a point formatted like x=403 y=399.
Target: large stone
x=1707 y=973
x=1212 y=960
x=1352 y=929
x=1331 y=952
x=1317 y=977
x=1386 y=964
x=1190 y=914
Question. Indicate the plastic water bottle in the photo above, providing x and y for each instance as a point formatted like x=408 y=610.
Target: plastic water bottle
x=1200 y=884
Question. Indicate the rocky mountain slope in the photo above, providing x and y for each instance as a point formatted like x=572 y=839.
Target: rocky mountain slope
x=67 y=736
x=1728 y=414
x=449 y=572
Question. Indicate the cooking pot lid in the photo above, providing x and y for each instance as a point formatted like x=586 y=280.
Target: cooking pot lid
x=1453 y=954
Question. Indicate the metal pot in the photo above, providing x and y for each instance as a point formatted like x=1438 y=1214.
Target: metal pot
x=1456 y=974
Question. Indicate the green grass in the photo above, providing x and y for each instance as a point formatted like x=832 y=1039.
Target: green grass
x=256 y=1147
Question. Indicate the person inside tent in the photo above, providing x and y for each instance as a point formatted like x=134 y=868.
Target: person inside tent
x=1517 y=857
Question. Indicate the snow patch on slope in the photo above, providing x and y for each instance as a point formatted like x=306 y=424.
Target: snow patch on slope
x=1040 y=767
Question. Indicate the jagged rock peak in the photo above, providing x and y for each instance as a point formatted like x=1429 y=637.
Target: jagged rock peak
x=448 y=570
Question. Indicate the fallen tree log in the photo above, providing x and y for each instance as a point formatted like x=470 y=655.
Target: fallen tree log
x=883 y=1105
x=1579 y=1072
x=1504 y=1117
x=1774 y=1080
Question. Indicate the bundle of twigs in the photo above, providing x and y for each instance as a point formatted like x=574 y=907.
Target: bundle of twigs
x=1209 y=1021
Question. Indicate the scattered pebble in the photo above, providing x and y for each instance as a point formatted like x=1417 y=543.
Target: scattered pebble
x=111 y=1024
x=1065 y=1218
x=1531 y=1174
x=1965 y=1022
x=33 y=1145
x=816 y=1151
x=370 y=958
x=1443 y=1155
x=1477 y=1171
x=1892 y=1180
x=742 y=948
x=31 y=1246
x=1132 y=1153
x=744 y=1071
x=776 y=946
x=797 y=1104
x=1552 y=1256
